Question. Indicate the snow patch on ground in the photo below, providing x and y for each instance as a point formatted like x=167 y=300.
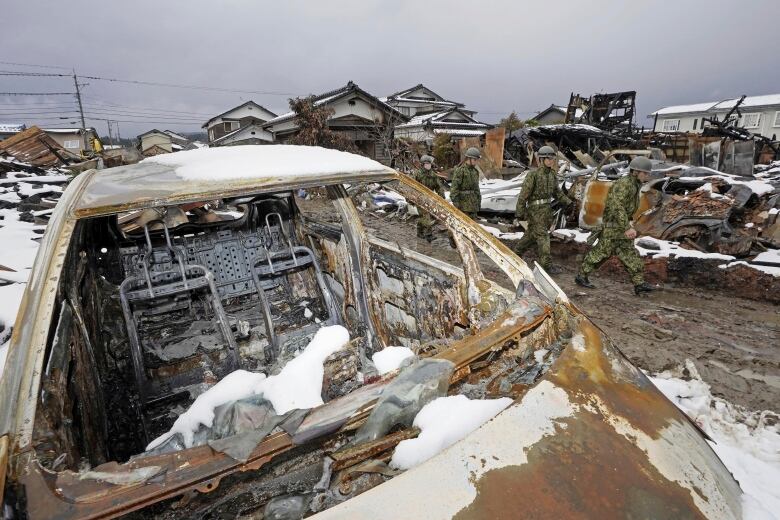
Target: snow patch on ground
x=770 y=256
x=297 y=386
x=390 y=358
x=274 y=161
x=768 y=269
x=500 y=234
x=443 y=422
x=665 y=248
x=577 y=235
x=19 y=250
x=748 y=443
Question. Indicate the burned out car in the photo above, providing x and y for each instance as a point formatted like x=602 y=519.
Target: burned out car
x=703 y=208
x=199 y=339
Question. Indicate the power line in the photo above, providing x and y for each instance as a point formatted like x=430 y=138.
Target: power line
x=191 y=87
x=145 y=109
x=130 y=114
x=36 y=93
x=32 y=65
x=32 y=74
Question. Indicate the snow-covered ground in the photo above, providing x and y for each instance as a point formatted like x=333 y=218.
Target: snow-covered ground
x=747 y=442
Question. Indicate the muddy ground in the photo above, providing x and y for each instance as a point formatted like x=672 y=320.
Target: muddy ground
x=734 y=342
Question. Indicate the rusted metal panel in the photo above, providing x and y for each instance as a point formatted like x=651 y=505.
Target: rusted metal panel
x=145 y=185
x=593 y=439
x=593 y=201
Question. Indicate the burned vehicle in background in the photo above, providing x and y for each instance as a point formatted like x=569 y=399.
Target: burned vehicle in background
x=701 y=208
x=158 y=281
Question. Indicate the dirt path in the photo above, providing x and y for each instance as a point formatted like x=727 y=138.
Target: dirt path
x=734 y=342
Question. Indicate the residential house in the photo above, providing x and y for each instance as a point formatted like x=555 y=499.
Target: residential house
x=180 y=142
x=73 y=139
x=554 y=115
x=432 y=114
x=162 y=141
x=37 y=148
x=356 y=113
x=253 y=133
x=244 y=115
x=454 y=122
x=758 y=114
x=422 y=100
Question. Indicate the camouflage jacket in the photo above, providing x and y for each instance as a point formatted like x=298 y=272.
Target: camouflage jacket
x=622 y=203
x=540 y=184
x=464 y=189
x=430 y=180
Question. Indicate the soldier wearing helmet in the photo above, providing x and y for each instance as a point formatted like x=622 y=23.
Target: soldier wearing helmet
x=540 y=188
x=464 y=188
x=617 y=235
x=428 y=178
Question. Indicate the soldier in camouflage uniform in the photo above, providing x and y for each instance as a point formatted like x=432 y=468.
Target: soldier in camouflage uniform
x=540 y=189
x=428 y=178
x=464 y=188
x=617 y=235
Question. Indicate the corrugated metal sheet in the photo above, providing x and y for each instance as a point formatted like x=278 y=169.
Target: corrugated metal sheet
x=34 y=147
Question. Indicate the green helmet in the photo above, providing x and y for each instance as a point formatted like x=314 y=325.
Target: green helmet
x=427 y=159
x=641 y=164
x=546 y=151
x=473 y=153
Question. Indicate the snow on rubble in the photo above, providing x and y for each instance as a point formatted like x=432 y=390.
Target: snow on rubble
x=657 y=248
x=25 y=199
x=297 y=386
x=748 y=443
x=390 y=358
x=443 y=422
x=273 y=161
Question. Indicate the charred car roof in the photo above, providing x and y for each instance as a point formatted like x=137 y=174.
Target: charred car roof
x=220 y=172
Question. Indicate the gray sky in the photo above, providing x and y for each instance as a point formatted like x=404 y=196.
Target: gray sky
x=495 y=56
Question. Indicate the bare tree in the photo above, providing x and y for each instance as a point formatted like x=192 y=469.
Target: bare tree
x=313 y=129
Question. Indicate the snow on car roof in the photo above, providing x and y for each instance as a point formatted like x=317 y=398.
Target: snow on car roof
x=212 y=173
x=253 y=161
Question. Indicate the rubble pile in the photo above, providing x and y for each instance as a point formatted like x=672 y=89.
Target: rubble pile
x=28 y=195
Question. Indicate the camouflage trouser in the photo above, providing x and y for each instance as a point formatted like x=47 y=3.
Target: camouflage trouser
x=538 y=232
x=425 y=223
x=623 y=248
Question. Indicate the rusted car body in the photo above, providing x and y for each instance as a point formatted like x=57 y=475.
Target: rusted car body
x=680 y=209
x=588 y=435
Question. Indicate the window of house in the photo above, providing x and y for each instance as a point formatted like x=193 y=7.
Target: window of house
x=751 y=120
x=231 y=125
x=671 y=125
x=211 y=134
x=695 y=121
x=73 y=144
x=777 y=119
x=407 y=111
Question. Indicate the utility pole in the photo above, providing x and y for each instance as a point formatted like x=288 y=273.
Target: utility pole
x=110 y=137
x=81 y=111
x=118 y=137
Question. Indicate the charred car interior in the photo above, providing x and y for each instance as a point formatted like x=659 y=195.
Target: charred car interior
x=162 y=303
x=158 y=308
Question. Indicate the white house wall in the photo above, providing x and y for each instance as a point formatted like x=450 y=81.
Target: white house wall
x=243 y=112
x=766 y=125
x=250 y=132
x=341 y=108
x=415 y=134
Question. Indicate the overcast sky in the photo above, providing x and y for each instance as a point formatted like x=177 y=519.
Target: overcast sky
x=494 y=56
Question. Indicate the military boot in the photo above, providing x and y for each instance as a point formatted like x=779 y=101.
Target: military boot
x=642 y=288
x=582 y=280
